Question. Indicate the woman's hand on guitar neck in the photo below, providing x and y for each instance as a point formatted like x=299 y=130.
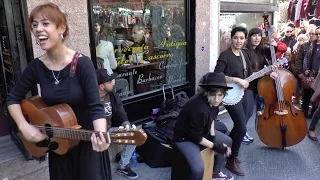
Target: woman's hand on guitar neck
x=31 y=133
x=99 y=143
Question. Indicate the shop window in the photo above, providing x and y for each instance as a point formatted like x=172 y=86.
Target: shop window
x=250 y=1
x=143 y=41
x=230 y=20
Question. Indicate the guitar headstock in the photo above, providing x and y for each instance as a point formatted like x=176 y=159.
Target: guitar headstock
x=128 y=137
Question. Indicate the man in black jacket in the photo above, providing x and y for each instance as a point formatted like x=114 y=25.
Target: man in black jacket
x=116 y=116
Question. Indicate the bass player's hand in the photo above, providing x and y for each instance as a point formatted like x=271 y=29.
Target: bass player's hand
x=99 y=143
x=31 y=133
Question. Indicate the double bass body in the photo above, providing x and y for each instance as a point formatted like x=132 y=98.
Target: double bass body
x=281 y=124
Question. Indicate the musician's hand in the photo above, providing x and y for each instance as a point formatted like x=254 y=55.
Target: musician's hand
x=273 y=43
x=125 y=124
x=242 y=82
x=221 y=148
x=274 y=75
x=99 y=143
x=288 y=52
x=228 y=153
x=307 y=72
x=301 y=75
x=31 y=133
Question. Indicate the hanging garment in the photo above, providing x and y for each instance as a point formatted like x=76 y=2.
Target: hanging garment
x=289 y=10
x=298 y=10
x=304 y=10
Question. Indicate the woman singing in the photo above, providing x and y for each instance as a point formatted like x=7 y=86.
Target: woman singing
x=88 y=160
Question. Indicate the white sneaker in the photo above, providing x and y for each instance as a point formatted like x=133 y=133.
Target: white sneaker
x=222 y=176
x=249 y=137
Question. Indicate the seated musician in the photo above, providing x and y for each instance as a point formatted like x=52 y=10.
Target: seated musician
x=194 y=129
x=116 y=116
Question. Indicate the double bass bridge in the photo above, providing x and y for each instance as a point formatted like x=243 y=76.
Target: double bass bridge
x=281 y=113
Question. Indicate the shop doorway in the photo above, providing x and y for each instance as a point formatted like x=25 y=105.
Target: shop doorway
x=13 y=60
x=6 y=70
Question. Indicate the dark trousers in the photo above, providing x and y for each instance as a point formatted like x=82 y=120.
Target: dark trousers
x=306 y=96
x=240 y=114
x=315 y=119
x=191 y=153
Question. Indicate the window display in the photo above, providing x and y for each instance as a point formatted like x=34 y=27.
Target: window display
x=143 y=41
x=249 y=1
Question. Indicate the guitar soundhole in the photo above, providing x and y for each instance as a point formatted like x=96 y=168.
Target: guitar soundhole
x=48 y=131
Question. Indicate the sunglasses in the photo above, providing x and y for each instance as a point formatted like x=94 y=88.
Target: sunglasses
x=289 y=31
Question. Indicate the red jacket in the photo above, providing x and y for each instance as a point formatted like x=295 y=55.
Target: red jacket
x=281 y=48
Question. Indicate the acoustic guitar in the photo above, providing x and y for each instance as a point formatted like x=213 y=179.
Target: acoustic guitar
x=60 y=125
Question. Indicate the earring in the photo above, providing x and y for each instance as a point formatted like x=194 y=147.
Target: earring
x=62 y=37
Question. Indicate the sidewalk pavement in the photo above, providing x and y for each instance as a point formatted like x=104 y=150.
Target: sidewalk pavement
x=299 y=162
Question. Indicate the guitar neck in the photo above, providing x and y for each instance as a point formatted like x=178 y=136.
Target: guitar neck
x=74 y=134
x=259 y=74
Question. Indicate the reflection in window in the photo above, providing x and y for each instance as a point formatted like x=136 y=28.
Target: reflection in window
x=143 y=41
x=230 y=20
x=249 y=1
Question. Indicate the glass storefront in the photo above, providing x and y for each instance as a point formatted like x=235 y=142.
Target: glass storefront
x=249 y=1
x=143 y=41
x=230 y=20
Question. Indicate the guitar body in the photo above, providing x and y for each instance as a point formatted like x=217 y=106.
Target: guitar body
x=39 y=114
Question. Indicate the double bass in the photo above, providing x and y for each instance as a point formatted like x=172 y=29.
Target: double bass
x=281 y=124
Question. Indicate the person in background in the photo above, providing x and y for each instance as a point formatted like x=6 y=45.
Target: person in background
x=116 y=116
x=88 y=160
x=315 y=99
x=289 y=39
x=295 y=67
x=281 y=47
x=306 y=93
x=311 y=65
x=194 y=129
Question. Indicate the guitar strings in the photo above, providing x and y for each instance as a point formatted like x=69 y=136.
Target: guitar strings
x=81 y=131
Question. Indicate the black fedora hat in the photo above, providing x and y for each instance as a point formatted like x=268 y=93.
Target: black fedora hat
x=214 y=80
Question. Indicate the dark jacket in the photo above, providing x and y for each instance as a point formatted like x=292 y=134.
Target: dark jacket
x=119 y=115
x=301 y=54
x=194 y=120
x=258 y=59
x=312 y=59
x=232 y=65
x=289 y=41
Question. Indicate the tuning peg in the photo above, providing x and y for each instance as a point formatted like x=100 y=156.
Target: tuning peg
x=133 y=126
x=127 y=127
x=120 y=128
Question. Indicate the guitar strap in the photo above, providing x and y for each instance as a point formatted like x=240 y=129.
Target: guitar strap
x=74 y=63
x=245 y=70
